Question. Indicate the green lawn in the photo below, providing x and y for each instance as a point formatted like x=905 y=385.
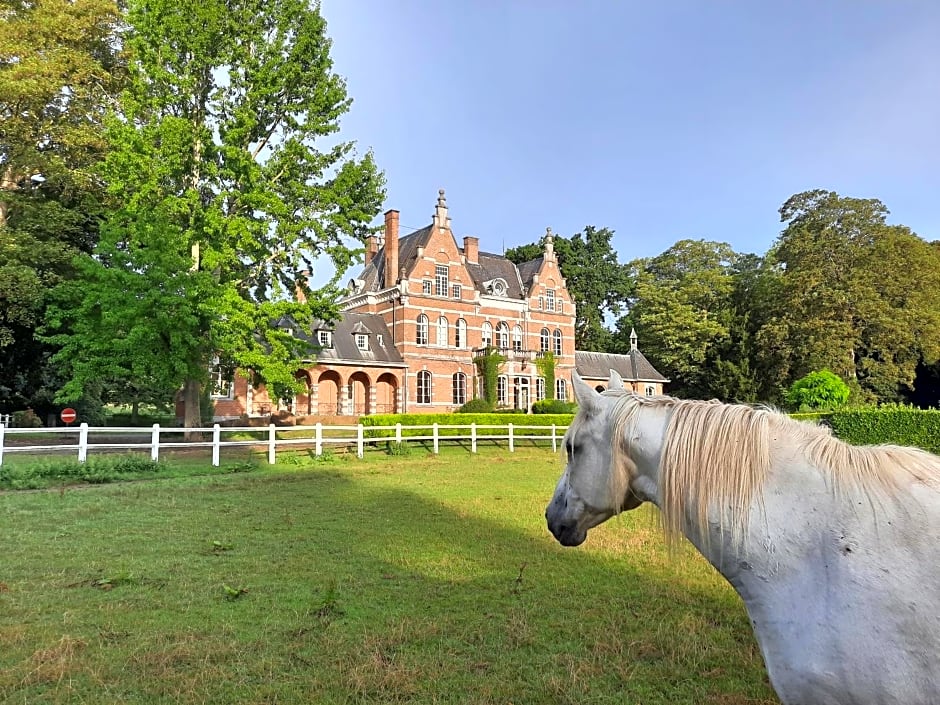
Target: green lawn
x=420 y=579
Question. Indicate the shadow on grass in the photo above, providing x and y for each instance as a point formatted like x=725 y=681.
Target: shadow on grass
x=343 y=590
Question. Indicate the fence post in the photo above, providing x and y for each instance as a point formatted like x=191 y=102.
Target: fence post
x=511 y=449
x=359 y=441
x=216 y=437
x=155 y=443
x=2 y=428
x=473 y=437
x=398 y=433
x=318 y=440
x=436 y=440
x=554 y=440
x=83 y=443
x=272 y=458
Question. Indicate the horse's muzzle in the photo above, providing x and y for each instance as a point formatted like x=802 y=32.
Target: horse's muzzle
x=566 y=534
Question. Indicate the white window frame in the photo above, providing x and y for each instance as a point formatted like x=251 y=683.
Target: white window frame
x=459 y=384
x=325 y=338
x=422 y=332
x=517 y=338
x=545 y=340
x=502 y=335
x=460 y=334
x=455 y=291
x=550 y=299
x=650 y=390
x=442 y=332
x=362 y=341
x=423 y=387
x=441 y=279
x=539 y=388
x=427 y=286
x=502 y=390
x=223 y=385
x=556 y=343
x=561 y=390
x=486 y=334
x=541 y=304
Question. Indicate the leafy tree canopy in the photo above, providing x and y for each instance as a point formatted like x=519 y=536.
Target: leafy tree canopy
x=231 y=181
x=820 y=390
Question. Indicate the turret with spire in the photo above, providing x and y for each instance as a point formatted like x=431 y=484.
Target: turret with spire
x=441 y=219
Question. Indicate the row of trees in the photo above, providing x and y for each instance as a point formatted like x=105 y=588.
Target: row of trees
x=168 y=170
x=839 y=290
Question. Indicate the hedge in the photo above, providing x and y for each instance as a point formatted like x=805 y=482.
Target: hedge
x=900 y=425
x=445 y=421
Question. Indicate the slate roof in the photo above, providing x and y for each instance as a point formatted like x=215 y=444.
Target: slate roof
x=489 y=266
x=344 y=349
x=632 y=367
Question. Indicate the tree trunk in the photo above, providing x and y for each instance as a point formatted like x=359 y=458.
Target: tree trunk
x=7 y=183
x=192 y=418
x=135 y=412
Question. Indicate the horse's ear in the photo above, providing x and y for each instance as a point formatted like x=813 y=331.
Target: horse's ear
x=615 y=382
x=584 y=394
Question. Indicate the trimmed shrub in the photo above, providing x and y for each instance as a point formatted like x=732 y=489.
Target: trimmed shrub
x=447 y=422
x=476 y=406
x=554 y=406
x=818 y=390
x=510 y=411
x=897 y=424
x=26 y=419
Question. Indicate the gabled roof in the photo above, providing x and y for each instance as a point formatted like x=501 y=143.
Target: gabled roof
x=373 y=275
x=490 y=267
x=528 y=270
x=632 y=367
x=344 y=348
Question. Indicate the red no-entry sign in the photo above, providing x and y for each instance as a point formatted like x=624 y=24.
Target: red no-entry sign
x=68 y=415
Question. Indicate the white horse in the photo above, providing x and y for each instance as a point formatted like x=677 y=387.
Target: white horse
x=834 y=549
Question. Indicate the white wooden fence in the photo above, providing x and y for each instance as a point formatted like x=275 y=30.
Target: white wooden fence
x=82 y=439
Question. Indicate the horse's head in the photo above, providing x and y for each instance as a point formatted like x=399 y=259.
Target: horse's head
x=587 y=494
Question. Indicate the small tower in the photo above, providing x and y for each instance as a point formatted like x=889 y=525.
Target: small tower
x=441 y=218
x=549 y=245
x=632 y=339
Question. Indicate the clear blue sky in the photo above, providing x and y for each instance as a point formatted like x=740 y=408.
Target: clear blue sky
x=659 y=120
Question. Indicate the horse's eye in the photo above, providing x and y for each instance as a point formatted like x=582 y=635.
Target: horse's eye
x=569 y=448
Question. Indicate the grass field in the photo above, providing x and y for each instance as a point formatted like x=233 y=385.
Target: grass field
x=418 y=579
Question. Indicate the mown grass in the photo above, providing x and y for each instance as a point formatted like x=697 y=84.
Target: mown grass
x=420 y=579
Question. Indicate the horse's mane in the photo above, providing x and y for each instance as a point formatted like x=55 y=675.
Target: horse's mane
x=719 y=455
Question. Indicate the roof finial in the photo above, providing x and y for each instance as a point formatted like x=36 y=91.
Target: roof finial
x=633 y=339
x=441 y=219
x=549 y=244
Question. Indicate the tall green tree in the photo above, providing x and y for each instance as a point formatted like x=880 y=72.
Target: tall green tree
x=856 y=295
x=682 y=309
x=60 y=71
x=232 y=182
x=596 y=280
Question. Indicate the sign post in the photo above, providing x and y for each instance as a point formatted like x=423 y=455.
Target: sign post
x=68 y=415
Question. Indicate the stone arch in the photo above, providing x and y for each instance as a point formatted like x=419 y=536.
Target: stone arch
x=329 y=400
x=360 y=388
x=303 y=402
x=386 y=394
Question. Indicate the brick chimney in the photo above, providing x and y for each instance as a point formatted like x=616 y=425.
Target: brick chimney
x=471 y=249
x=391 y=248
x=302 y=278
x=371 y=248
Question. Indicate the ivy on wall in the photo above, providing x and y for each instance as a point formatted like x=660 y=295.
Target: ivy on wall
x=488 y=364
x=546 y=367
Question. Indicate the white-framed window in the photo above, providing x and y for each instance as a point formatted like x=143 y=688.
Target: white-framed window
x=560 y=305
x=427 y=286
x=442 y=332
x=550 y=299
x=486 y=334
x=221 y=377
x=421 y=338
x=502 y=390
x=539 y=388
x=541 y=303
x=502 y=335
x=424 y=387
x=650 y=390
x=460 y=333
x=325 y=338
x=441 y=279
x=362 y=341
x=556 y=342
x=517 y=338
x=455 y=291
x=561 y=390
x=544 y=340
x=460 y=388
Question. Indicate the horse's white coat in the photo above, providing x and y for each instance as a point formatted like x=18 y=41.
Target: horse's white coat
x=842 y=587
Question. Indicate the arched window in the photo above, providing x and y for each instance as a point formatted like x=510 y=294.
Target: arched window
x=486 y=335
x=556 y=342
x=517 y=338
x=502 y=335
x=460 y=334
x=442 y=332
x=561 y=390
x=539 y=388
x=544 y=338
x=424 y=387
x=460 y=388
x=502 y=390
x=422 y=336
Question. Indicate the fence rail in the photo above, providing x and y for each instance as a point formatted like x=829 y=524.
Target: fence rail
x=81 y=440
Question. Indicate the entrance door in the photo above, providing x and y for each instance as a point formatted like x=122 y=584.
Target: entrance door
x=521 y=393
